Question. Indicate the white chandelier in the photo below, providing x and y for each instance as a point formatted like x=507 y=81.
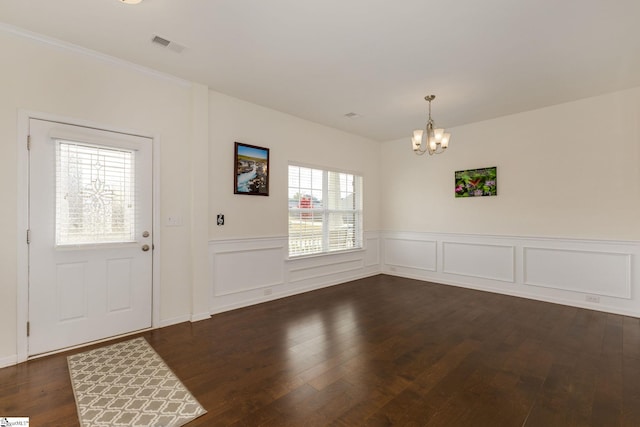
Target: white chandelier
x=430 y=140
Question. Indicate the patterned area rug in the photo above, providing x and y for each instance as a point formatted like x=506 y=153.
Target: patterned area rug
x=128 y=384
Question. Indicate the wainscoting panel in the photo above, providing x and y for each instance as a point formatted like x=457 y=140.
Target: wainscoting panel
x=251 y=268
x=372 y=254
x=596 y=274
x=251 y=271
x=479 y=260
x=410 y=253
x=599 y=273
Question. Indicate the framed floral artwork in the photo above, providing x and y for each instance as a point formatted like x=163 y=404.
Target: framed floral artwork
x=477 y=182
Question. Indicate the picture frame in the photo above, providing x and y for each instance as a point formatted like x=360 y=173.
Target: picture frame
x=251 y=170
x=476 y=182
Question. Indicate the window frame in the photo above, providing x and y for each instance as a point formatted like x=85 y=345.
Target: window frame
x=325 y=211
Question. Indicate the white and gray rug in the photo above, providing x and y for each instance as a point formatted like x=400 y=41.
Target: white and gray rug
x=128 y=384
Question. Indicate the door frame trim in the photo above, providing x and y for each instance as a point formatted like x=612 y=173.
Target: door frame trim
x=22 y=301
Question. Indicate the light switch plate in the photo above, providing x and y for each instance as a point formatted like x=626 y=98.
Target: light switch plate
x=174 y=221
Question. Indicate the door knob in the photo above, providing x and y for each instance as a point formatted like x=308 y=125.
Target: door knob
x=145 y=248
x=145 y=234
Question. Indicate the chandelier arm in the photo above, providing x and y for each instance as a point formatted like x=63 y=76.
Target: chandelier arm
x=431 y=151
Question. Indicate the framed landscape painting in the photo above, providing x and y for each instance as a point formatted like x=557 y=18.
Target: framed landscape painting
x=477 y=182
x=251 y=170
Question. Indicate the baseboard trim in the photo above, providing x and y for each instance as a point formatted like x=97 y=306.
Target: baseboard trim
x=289 y=293
x=200 y=316
x=8 y=361
x=561 y=301
x=174 y=321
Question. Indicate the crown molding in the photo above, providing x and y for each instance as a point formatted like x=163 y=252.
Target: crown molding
x=69 y=47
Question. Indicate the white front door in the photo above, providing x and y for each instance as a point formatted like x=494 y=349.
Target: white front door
x=90 y=238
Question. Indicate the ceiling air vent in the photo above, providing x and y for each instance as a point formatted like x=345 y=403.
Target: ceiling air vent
x=161 y=41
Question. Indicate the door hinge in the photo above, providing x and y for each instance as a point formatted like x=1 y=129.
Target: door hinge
x=28 y=236
x=28 y=328
x=28 y=142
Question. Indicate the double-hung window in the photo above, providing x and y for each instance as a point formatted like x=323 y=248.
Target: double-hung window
x=325 y=211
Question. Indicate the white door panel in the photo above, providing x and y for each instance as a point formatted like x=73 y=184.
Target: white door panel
x=90 y=204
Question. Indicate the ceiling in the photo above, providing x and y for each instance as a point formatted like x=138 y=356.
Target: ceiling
x=320 y=60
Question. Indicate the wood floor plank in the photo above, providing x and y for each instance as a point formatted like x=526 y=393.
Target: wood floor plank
x=382 y=351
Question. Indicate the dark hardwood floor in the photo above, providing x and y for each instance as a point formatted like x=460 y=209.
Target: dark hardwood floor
x=382 y=351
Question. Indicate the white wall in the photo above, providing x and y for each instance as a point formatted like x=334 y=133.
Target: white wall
x=44 y=78
x=196 y=129
x=289 y=139
x=568 y=189
x=249 y=253
x=571 y=170
x=563 y=226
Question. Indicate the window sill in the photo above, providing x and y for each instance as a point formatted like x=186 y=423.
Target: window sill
x=324 y=254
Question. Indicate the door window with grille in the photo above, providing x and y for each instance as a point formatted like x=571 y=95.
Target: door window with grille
x=95 y=194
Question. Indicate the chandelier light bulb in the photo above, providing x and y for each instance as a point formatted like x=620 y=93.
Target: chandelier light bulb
x=416 y=141
x=438 y=134
x=445 y=140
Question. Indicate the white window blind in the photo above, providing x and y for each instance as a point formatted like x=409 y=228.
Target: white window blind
x=325 y=211
x=95 y=194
